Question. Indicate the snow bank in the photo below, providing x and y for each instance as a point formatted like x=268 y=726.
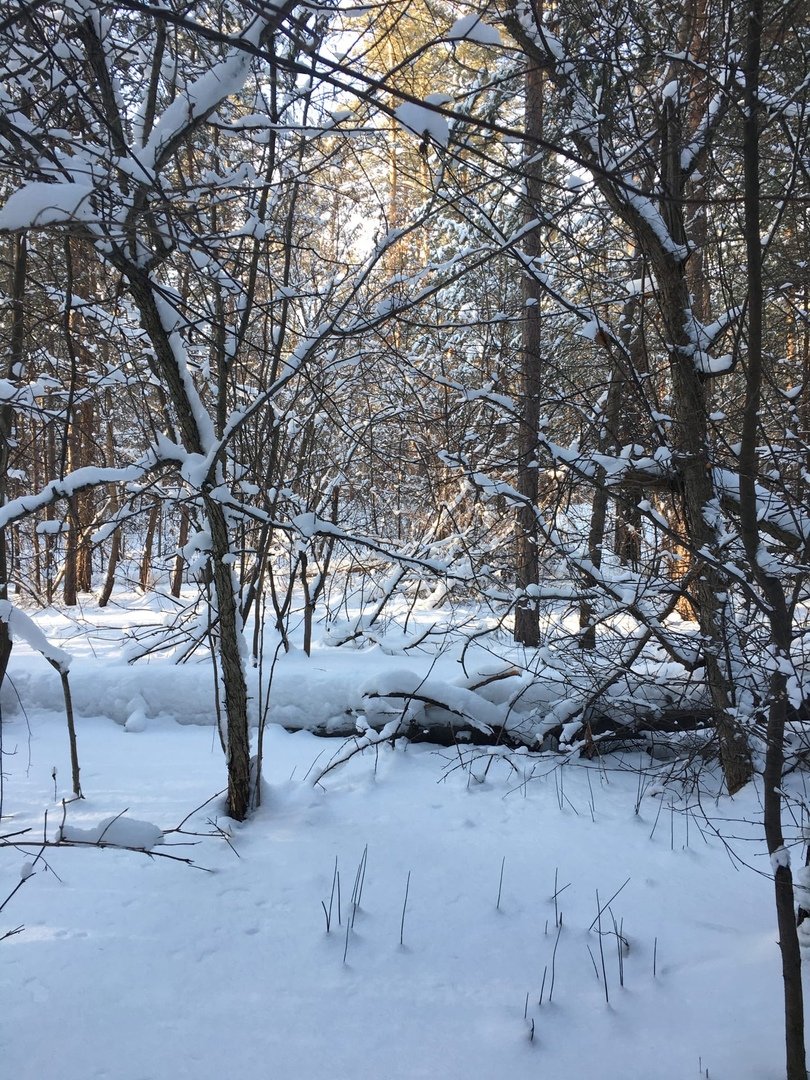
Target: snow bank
x=132 y=695
x=416 y=679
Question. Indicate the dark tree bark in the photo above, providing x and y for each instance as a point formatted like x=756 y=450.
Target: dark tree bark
x=776 y=605
x=114 y=556
x=148 y=544
x=179 y=561
x=113 y=559
x=237 y=735
x=229 y=625
x=16 y=352
x=527 y=569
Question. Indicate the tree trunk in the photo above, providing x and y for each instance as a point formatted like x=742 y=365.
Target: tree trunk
x=16 y=353
x=527 y=569
x=775 y=605
x=84 y=555
x=179 y=561
x=235 y=736
x=50 y=546
x=693 y=451
x=112 y=564
x=232 y=675
x=148 y=544
x=115 y=541
x=70 y=593
x=599 y=509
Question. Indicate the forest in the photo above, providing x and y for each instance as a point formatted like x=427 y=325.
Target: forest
x=410 y=378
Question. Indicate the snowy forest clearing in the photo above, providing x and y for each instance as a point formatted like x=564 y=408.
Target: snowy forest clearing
x=420 y=373
x=148 y=968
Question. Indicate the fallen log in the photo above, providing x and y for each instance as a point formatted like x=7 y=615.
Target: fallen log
x=456 y=730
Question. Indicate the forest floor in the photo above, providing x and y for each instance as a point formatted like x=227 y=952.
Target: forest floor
x=477 y=890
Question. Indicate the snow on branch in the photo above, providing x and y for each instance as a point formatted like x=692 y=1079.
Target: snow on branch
x=72 y=484
x=424 y=121
x=472 y=28
x=786 y=523
x=22 y=627
x=203 y=96
x=39 y=204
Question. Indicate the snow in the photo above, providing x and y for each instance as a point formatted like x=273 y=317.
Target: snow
x=39 y=203
x=199 y=99
x=771 y=509
x=116 y=831
x=422 y=121
x=471 y=28
x=714 y=365
x=671 y=90
x=801 y=886
x=202 y=975
x=22 y=627
x=79 y=479
x=136 y=721
x=780 y=857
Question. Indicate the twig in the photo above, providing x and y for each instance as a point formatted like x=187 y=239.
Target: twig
x=404 y=906
x=191 y=813
x=598 y=920
x=595 y=968
x=553 y=961
x=605 y=906
x=15 y=890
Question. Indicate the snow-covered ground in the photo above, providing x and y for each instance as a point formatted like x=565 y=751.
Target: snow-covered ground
x=136 y=967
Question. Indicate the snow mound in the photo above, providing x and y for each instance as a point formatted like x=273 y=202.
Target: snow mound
x=117 y=831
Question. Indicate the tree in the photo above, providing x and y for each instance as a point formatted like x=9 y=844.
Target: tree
x=127 y=203
x=187 y=197
x=670 y=206
x=779 y=611
x=527 y=615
